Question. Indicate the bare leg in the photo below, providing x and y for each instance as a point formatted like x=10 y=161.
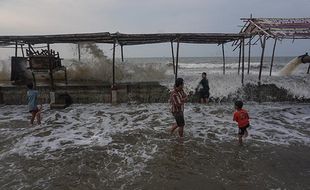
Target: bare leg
x=33 y=115
x=174 y=126
x=245 y=133
x=38 y=116
x=201 y=100
x=181 y=131
x=240 y=139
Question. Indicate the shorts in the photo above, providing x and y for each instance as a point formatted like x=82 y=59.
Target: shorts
x=179 y=118
x=243 y=130
x=34 y=110
x=204 y=94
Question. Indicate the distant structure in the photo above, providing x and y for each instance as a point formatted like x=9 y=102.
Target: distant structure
x=273 y=28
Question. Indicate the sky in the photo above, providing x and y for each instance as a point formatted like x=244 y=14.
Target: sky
x=27 y=17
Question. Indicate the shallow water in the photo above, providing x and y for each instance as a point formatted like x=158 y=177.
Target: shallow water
x=99 y=146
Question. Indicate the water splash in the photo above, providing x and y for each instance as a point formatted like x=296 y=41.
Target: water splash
x=290 y=67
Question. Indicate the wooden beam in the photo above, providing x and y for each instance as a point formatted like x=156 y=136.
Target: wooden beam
x=242 y=76
x=249 y=56
x=239 y=58
x=50 y=67
x=79 y=51
x=177 y=60
x=172 y=54
x=16 y=44
x=272 y=57
x=113 y=65
x=22 y=49
x=223 y=50
x=261 y=60
x=122 y=53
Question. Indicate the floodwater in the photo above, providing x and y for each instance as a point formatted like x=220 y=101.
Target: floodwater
x=128 y=146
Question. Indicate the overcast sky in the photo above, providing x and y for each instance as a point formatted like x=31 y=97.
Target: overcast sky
x=19 y=17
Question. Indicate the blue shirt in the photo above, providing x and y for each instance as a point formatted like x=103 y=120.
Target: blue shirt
x=32 y=99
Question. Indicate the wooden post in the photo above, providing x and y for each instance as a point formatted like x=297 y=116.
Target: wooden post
x=308 y=69
x=242 y=76
x=22 y=49
x=177 y=60
x=261 y=60
x=249 y=55
x=113 y=65
x=50 y=67
x=239 y=58
x=272 y=57
x=16 y=44
x=172 y=53
x=223 y=58
x=113 y=88
x=79 y=51
x=122 y=53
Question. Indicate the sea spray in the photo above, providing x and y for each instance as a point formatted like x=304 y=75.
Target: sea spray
x=290 y=67
x=99 y=67
x=4 y=70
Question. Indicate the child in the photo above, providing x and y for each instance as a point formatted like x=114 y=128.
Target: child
x=203 y=89
x=32 y=100
x=242 y=118
x=177 y=100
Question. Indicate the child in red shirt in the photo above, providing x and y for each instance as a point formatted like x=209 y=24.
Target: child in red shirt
x=241 y=116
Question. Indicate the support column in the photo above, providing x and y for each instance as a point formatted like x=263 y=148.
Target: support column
x=79 y=51
x=239 y=58
x=272 y=57
x=242 y=76
x=50 y=67
x=177 y=60
x=16 y=44
x=223 y=50
x=122 y=53
x=22 y=49
x=261 y=60
x=249 y=55
x=113 y=88
x=172 y=54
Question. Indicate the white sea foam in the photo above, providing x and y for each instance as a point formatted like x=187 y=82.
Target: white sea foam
x=101 y=125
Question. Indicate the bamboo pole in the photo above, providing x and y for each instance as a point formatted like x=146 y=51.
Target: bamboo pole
x=50 y=67
x=272 y=57
x=242 y=76
x=172 y=54
x=261 y=60
x=249 y=55
x=223 y=50
x=122 y=53
x=22 y=49
x=239 y=58
x=177 y=60
x=79 y=51
x=113 y=65
x=16 y=44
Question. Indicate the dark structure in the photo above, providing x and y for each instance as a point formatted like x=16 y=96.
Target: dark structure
x=116 y=39
x=272 y=28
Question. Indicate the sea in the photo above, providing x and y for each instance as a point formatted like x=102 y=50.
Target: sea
x=128 y=146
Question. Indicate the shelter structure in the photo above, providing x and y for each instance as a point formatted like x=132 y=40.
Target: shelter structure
x=276 y=29
x=122 y=40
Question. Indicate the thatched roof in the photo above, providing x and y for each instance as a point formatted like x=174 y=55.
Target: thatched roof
x=123 y=39
x=281 y=28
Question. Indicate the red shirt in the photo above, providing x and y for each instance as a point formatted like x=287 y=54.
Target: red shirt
x=177 y=100
x=242 y=118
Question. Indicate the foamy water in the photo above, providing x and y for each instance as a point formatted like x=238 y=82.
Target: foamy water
x=101 y=146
